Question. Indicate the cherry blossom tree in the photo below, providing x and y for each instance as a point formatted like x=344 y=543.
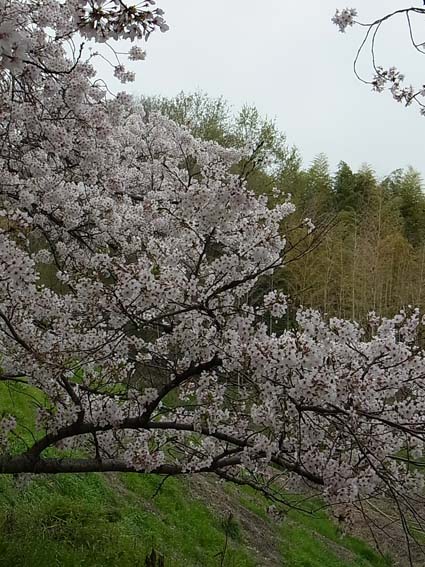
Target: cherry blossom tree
x=143 y=351
x=391 y=78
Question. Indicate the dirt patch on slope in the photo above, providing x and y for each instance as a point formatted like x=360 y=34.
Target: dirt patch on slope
x=257 y=533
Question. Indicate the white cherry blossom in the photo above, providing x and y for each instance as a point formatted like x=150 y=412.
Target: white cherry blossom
x=142 y=339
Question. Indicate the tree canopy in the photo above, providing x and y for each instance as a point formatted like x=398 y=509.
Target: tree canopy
x=145 y=351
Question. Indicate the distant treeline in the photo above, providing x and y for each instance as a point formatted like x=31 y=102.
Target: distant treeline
x=368 y=252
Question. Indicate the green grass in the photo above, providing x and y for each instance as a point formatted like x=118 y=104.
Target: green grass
x=312 y=539
x=87 y=520
x=320 y=523
x=98 y=520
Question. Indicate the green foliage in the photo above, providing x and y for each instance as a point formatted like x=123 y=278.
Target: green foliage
x=207 y=118
x=352 y=190
x=213 y=119
x=406 y=187
x=369 y=252
x=232 y=528
x=314 y=196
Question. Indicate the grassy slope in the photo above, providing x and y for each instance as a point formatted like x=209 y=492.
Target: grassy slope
x=115 y=520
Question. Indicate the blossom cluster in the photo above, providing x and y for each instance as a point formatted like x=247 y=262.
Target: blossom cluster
x=102 y=19
x=394 y=78
x=391 y=78
x=33 y=35
x=344 y=18
x=129 y=256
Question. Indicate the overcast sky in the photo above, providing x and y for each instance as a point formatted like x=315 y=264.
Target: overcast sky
x=290 y=61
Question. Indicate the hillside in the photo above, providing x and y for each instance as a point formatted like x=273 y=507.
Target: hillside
x=98 y=520
x=116 y=520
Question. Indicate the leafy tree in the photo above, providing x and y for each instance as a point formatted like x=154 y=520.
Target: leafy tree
x=352 y=190
x=207 y=118
x=318 y=195
x=406 y=187
x=212 y=119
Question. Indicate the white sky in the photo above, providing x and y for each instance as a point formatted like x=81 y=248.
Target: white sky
x=290 y=61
